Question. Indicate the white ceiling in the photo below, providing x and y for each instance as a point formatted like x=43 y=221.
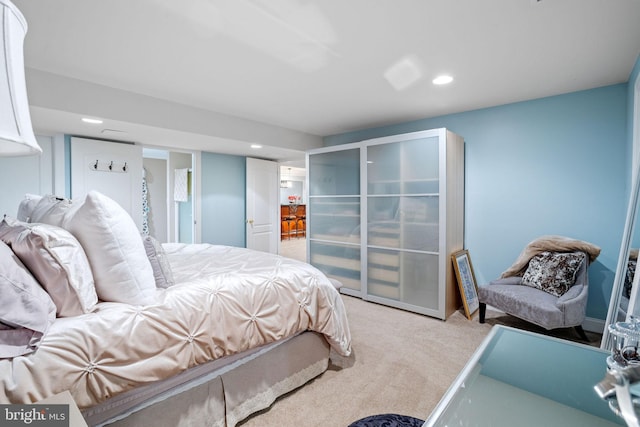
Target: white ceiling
x=315 y=67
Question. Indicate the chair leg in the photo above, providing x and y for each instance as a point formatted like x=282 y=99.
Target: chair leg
x=483 y=311
x=581 y=332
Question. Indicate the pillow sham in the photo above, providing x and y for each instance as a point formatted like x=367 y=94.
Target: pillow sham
x=56 y=260
x=121 y=270
x=159 y=262
x=26 y=207
x=553 y=272
x=26 y=311
x=51 y=210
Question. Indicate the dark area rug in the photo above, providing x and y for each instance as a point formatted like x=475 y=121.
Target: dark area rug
x=388 y=420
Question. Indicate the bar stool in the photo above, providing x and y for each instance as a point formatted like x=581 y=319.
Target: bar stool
x=301 y=226
x=293 y=230
x=284 y=228
x=288 y=227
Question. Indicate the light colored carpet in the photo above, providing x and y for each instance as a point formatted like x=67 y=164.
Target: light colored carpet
x=295 y=248
x=403 y=363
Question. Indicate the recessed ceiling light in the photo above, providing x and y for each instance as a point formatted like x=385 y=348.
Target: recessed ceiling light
x=92 y=121
x=442 y=80
x=256 y=146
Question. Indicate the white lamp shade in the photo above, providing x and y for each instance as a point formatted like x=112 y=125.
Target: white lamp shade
x=16 y=133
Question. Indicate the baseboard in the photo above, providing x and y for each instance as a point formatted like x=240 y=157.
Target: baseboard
x=592 y=324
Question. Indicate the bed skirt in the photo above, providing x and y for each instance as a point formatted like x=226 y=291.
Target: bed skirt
x=222 y=393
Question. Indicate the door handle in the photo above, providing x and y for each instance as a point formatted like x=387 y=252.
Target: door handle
x=250 y=221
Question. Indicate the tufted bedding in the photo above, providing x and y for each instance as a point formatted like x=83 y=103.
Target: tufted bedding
x=225 y=301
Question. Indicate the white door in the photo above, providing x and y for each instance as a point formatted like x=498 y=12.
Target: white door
x=114 y=169
x=262 y=205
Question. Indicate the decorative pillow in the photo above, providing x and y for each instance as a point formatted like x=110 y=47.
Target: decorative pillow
x=26 y=207
x=51 y=210
x=26 y=311
x=121 y=270
x=159 y=262
x=56 y=260
x=553 y=272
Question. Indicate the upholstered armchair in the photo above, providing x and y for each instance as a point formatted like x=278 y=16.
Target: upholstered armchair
x=547 y=286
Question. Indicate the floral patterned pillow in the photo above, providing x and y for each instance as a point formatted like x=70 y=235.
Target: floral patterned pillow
x=553 y=272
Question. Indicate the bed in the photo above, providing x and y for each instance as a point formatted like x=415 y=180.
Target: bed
x=221 y=334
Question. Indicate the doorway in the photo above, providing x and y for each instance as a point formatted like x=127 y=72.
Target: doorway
x=293 y=212
x=170 y=202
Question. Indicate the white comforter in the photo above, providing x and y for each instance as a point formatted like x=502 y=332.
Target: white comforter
x=226 y=300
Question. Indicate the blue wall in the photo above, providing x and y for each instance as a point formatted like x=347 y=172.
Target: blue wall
x=223 y=199
x=556 y=165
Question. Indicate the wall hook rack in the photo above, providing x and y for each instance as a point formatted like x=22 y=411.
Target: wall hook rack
x=116 y=166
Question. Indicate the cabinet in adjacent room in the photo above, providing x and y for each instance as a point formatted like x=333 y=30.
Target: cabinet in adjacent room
x=386 y=214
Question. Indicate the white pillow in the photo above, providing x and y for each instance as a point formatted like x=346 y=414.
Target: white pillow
x=51 y=210
x=111 y=240
x=26 y=311
x=56 y=260
x=26 y=207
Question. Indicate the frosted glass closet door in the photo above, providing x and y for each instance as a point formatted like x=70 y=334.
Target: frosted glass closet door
x=403 y=221
x=333 y=218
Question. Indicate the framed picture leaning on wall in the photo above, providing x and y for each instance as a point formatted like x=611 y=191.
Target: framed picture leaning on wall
x=466 y=281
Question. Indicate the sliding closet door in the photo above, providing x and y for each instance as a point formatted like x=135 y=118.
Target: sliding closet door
x=403 y=224
x=334 y=215
x=415 y=216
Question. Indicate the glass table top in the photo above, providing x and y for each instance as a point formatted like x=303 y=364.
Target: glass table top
x=519 y=378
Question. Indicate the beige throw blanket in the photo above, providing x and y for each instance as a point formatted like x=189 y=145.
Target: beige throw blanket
x=551 y=244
